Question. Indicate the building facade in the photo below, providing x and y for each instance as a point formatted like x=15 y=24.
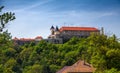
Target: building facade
x=23 y=41
x=61 y=35
x=66 y=33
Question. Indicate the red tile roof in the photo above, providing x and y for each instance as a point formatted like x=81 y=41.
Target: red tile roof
x=78 y=67
x=27 y=39
x=38 y=37
x=62 y=70
x=78 y=29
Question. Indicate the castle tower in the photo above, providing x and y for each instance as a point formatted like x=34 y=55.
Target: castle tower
x=52 y=30
x=57 y=30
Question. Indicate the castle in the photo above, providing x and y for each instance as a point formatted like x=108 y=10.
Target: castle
x=65 y=33
x=22 y=41
x=61 y=35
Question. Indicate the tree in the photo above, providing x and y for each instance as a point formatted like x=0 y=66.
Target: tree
x=113 y=70
x=4 y=35
x=9 y=65
x=5 y=18
x=6 y=45
x=36 y=68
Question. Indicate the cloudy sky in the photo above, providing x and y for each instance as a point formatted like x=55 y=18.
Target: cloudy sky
x=35 y=17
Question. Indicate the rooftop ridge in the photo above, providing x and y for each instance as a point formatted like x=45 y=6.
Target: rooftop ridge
x=74 y=28
x=27 y=39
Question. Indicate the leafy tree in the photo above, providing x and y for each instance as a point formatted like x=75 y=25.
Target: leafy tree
x=1 y=68
x=113 y=58
x=5 y=18
x=6 y=46
x=10 y=52
x=113 y=70
x=33 y=69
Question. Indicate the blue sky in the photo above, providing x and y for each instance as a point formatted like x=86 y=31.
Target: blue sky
x=35 y=17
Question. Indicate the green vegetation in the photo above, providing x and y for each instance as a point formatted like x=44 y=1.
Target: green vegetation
x=101 y=51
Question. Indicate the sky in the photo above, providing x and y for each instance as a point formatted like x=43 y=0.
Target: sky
x=35 y=17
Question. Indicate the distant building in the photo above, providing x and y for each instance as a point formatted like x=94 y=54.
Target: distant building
x=66 y=33
x=22 y=41
x=62 y=35
x=79 y=67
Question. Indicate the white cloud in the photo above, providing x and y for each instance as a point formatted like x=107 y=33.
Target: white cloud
x=29 y=7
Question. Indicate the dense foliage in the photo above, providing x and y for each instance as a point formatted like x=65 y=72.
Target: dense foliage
x=101 y=51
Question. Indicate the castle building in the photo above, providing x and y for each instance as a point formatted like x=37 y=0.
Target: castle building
x=62 y=35
x=22 y=41
x=66 y=33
